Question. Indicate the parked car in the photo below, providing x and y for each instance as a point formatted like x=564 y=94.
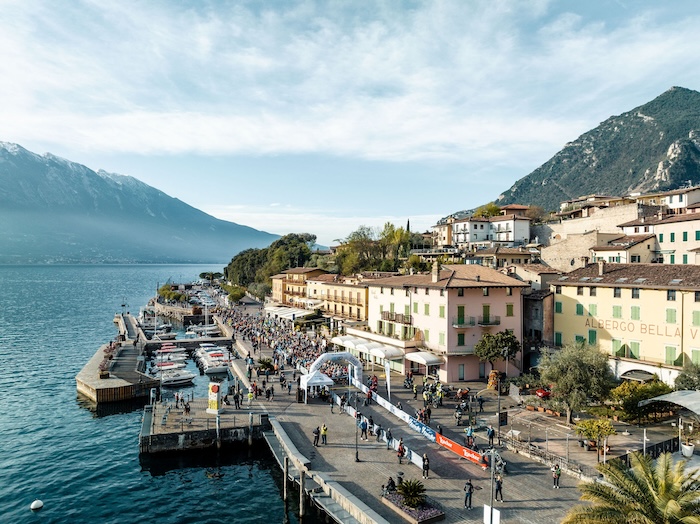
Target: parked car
x=543 y=393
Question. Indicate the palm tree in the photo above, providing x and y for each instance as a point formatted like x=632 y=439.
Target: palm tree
x=650 y=492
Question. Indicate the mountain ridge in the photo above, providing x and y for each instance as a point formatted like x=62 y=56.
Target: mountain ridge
x=653 y=147
x=54 y=210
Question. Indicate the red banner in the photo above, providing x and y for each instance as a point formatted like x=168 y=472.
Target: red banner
x=469 y=454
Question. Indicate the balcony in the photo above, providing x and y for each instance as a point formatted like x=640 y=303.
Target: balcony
x=490 y=321
x=463 y=322
x=397 y=317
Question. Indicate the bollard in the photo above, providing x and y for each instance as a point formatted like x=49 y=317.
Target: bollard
x=302 y=505
x=286 y=478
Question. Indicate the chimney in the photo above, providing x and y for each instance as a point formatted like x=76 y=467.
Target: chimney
x=435 y=272
x=584 y=261
x=601 y=267
x=478 y=278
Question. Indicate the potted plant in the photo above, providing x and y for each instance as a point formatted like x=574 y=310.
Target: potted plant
x=410 y=502
x=594 y=430
x=687 y=445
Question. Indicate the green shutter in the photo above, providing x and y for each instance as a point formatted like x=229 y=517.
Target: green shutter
x=427 y=335
x=441 y=338
x=673 y=259
x=580 y=339
x=661 y=237
x=592 y=337
x=442 y=311
x=509 y=310
x=617 y=312
x=617 y=349
x=696 y=318
x=558 y=307
x=460 y=339
x=670 y=354
x=670 y=316
x=407 y=310
x=592 y=310
x=557 y=339
x=635 y=313
x=579 y=309
x=695 y=356
x=415 y=307
x=634 y=350
x=460 y=315
x=685 y=236
x=426 y=310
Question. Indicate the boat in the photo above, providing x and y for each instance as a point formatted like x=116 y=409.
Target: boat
x=172 y=357
x=164 y=336
x=168 y=365
x=176 y=378
x=171 y=351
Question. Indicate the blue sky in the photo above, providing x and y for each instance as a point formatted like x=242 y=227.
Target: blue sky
x=303 y=116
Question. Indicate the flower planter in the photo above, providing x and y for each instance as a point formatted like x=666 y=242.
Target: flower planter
x=549 y=412
x=530 y=408
x=104 y=374
x=425 y=515
x=540 y=409
x=687 y=450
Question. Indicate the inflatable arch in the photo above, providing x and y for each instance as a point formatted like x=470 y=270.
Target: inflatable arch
x=339 y=355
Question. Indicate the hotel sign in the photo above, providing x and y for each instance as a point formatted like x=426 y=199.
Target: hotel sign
x=641 y=328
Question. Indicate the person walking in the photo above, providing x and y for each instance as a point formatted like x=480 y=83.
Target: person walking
x=468 y=490
x=324 y=434
x=389 y=439
x=499 y=487
x=426 y=465
x=317 y=433
x=363 y=430
x=401 y=451
x=556 y=473
x=481 y=404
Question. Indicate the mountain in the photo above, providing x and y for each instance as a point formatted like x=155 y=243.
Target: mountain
x=654 y=147
x=56 y=211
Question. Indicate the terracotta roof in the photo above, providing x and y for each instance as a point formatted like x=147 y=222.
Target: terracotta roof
x=539 y=269
x=634 y=275
x=325 y=277
x=623 y=243
x=278 y=275
x=668 y=219
x=515 y=206
x=501 y=218
x=302 y=270
x=453 y=276
x=499 y=250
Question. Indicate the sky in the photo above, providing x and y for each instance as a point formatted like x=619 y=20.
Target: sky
x=320 y=117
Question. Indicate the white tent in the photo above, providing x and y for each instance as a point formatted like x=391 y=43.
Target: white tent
x=315 y=378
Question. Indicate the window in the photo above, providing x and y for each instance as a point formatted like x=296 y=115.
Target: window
x=673 y=237
x=592 y=310
x=426 y=334
x=391 y=307
x=557 y=290
x=617 y=292
x=509 y=291
x=685 y=236
x=661 y=238
x=617 y=349
x=634 y=349
x=637 y=258
x=579 y=309
x=672 y=259
x=685 y=259
x=509 y=310
x=671 y=295
x=579 y=290
x=670 y=354
x=427 y=291
x=442 y=312
x=485 y=291
x=557 y=339
x=381 y=290
x=442 y=292
x=697 y=296
x=407 y=310
x=670 y=316
x=635 y=292
x=592 y=337
x=426 y=309
x=696 y=318
x=408 y=293
x=617 y=312
x=460 y=292
x=593 y=291
x=697 y=235
x=460 y=314
x=415 y=307
x=381 y=308
x=441 y=338
x=391 y=291
x=460 y=339
x=635 y=313
x=580 y=339
x=558 y=307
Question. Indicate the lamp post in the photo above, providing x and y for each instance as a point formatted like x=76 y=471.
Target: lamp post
x=357 y=422
x=491 y=455
x=498 y=421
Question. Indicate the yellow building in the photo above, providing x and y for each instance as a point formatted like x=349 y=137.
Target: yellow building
x=339 y=296
x=289 y=287
x=645 y=316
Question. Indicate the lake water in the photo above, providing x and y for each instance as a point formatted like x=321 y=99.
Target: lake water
x=84 y=465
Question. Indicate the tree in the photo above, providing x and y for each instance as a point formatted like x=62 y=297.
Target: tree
x=649 y=492
x=535 y=213
x=499 y=346
x=595 y=429
x=210 y=275
x=487 y=210
x=630 y=393
x=579 y=374
x=689 y=378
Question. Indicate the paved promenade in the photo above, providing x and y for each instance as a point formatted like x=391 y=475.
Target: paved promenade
x=527 y=488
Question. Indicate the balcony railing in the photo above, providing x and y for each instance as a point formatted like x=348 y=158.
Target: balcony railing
x=397 y=317
x=490 y=321
x=463 y=322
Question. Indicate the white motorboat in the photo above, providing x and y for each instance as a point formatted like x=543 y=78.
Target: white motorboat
x=212 y=367
x=176 y=378
x=171 y=351
x=172 y=357
x=168 y=365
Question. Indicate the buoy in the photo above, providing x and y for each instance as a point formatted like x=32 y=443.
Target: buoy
x=36 y=505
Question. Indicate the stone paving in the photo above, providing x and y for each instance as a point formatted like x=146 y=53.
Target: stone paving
x=527 y=487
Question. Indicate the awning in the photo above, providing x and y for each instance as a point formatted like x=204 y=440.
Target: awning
x=354 y=342
x=688 y=399
x=367 y=346
x=425 y=357
x=341 y=340
x=387 y=353
x=638 y=375
x=288 y=313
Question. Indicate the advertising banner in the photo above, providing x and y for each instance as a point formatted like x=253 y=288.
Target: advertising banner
x=214 y=406
x=469 y=454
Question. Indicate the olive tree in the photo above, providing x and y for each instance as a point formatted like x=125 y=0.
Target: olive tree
x=579 y=375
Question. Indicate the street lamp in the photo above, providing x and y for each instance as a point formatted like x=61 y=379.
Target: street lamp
x=357 y=423
x=498 y=420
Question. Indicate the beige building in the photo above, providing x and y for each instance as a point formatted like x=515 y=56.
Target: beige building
x=645 y=316
x=340 y=297
x=289 y=287
x=677 y=236
x=537 y=276
x=627 y=249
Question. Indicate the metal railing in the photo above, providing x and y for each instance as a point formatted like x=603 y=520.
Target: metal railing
x=463 y=322
x=491 y=320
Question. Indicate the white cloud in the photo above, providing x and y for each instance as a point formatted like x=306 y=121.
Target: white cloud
x=468 y=82
x=328 y=226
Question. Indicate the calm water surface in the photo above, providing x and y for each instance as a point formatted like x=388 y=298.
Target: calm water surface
x=84 y=465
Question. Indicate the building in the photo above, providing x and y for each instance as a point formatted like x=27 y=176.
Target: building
x=500 y=257
x=342 y=298
x=444 y=314
x=627 y=249
x=677 y=236
x=645 y=316
x=289 y=287
x=536 y=275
